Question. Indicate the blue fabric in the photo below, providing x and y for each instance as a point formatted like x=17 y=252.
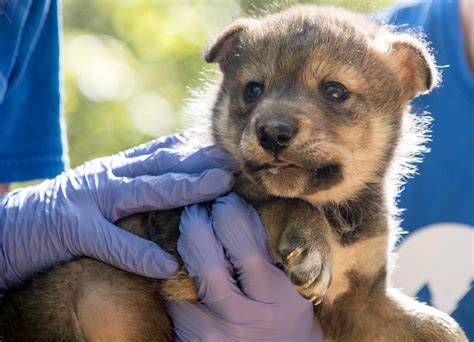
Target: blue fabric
x=31 y=122
x=439 y=201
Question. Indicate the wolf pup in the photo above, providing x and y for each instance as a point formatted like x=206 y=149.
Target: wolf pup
x=314 y=104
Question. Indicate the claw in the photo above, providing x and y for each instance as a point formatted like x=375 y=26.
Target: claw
x=316 y=300
x=296 y=252
x=307 y=284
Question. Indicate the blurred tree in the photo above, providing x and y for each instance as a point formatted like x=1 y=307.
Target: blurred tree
x=128 y=65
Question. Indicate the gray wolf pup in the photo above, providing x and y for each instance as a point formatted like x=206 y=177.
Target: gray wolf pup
x=314 y=103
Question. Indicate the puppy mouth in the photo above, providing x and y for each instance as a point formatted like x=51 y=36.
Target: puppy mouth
x=275 y=164
x=279 y=163
x=325 y=171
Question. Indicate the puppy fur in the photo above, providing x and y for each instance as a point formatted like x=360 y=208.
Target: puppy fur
x=325 y=194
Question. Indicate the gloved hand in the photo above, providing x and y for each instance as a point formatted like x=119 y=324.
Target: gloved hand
x=243 y=296
x=72 y=215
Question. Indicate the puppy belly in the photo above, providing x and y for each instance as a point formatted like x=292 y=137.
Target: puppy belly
x=364 y=257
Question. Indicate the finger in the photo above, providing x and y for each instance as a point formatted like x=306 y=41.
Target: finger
x=119 y=248
x=203 y=255
x=205 y=261
x=151 y=146
x=129 y=196
x=166 y=160
x=233 y=212
x=194 y=321
x=197 y=244
x=238 y=227
x=198 y=322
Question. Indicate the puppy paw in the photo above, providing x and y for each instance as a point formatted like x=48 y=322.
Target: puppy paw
x=308 y=269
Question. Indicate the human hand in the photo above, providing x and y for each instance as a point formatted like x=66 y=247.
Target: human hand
x=72 y=215
x=243 y=296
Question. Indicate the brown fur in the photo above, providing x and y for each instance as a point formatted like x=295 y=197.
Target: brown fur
x=329 y=217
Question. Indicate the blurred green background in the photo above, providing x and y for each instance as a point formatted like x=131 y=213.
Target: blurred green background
x=129 y=65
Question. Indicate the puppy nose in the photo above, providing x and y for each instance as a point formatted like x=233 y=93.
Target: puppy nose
x=274 y=135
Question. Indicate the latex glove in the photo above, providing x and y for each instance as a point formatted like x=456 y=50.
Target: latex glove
x=243 y=296
x=72 y=215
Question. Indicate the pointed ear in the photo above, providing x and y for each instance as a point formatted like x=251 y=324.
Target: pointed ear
x=414 y=65
x=224 y=47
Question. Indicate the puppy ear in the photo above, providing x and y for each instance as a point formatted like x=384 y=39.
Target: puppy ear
x=222 y=48
x=414 y=65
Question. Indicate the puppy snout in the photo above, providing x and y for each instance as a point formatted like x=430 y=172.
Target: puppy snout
x=275 y=135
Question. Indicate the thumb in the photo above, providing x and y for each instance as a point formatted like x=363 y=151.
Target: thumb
x=126 y=251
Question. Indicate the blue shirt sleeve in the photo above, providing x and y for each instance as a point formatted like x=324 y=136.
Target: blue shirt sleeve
x=32 y=143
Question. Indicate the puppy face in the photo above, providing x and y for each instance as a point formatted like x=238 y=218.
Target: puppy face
x=312 y=98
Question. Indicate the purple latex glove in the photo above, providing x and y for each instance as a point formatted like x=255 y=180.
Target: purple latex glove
x=71 y=215
x=243 y=296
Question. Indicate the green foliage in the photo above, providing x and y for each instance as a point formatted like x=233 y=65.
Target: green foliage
x=128 y=65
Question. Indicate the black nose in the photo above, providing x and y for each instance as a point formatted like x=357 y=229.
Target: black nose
x=274 y=135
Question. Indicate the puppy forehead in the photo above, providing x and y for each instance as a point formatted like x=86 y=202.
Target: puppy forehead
x=307 y=51
x=280 y=64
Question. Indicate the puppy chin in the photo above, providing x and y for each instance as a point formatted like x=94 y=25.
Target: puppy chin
x=284 y=182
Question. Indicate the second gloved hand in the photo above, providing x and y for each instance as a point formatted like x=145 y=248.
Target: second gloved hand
x=243 y=296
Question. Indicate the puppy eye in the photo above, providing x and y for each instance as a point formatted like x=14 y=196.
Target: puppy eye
x=335 y=91
x=252 y=91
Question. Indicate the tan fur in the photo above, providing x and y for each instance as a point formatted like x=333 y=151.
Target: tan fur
x=101 y=316
x=366 y=256
x=362 y=152
x=180 y=287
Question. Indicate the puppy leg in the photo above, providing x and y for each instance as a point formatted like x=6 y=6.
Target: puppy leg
x=85 y=300
x=370 y=312
x=112 y=310
x=424 y=322
x=297 y=233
